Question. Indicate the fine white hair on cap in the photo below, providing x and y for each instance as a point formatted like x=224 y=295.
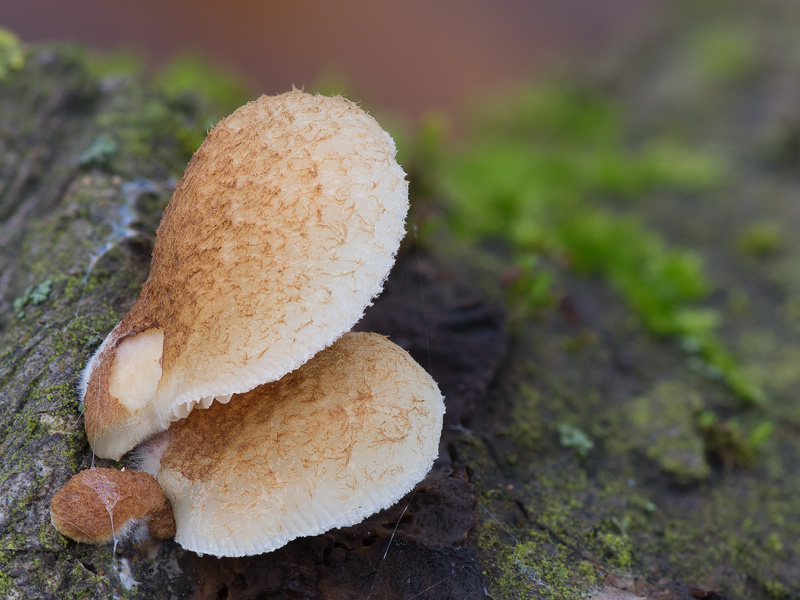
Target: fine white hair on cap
x=281 y=231
x=347 y=434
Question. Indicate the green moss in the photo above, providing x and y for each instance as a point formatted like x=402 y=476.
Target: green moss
x=723 y=54
x=137 y=134
x=99 y=152
x=526 y=428
x=761 y=239
x=570 y=436
x=141 y=129
x=33 y=295
x=616 y=550
x=550 y=174
x=681 y=482
x=12 y=54
x=663 y=425
x=123 y=62
x=660 y=283
x=624 y=515
x=538 y=567
x=727 y=443
x=85 y=332
x=6 y=583
x=195 y=76
x=549 y=145
x=531 y=286
x=771 y=362
x=777 y=590
x=31 y=426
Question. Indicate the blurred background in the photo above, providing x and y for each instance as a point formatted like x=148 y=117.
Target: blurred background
x=408 y=57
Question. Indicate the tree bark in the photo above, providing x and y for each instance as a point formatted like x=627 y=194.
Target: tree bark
x=88 y=163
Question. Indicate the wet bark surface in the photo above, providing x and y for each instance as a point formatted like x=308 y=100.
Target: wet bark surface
x=578 y=455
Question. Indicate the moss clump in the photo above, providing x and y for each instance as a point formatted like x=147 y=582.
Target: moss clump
x=6 y=583
x=774 y=364
x=776 y=590
x=537 y=566
x=664 y=427
x=661 y=284
x=12 y=54
x=551 y=146
x=726 y=443
x=136 y=135
x=33 y=295
x=527 y=426
x=191 y=74
x=723 y=54
x=761 y=239
x=117 y=63
x=99 y=152
x=532 y=286
x=615 y=549
x=570 y=436
x=192 y=94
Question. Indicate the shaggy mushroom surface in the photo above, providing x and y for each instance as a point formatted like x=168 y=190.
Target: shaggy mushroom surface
x=281 y=231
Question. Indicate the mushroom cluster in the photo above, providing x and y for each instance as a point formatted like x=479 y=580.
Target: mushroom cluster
x=278 y=236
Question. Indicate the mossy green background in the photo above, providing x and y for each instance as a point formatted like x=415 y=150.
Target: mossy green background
x=646 y=420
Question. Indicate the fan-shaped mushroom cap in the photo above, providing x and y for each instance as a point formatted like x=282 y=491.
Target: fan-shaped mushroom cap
x=347 y=434
x=96 y=505
x=279 y=234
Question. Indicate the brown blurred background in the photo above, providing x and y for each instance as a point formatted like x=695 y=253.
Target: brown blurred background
x=409 y=57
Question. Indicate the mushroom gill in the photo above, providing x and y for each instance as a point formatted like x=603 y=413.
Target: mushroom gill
x=347 y=434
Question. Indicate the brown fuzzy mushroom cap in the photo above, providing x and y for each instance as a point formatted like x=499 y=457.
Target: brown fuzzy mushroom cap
x=347 y=434
x=279 y=234
x=97 y=504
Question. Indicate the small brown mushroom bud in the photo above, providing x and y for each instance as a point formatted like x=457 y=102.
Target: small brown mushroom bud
x=98 y=505
x=281 y=231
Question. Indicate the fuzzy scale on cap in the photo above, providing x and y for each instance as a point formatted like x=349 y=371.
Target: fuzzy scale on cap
x=281 y=231
x=347 y=434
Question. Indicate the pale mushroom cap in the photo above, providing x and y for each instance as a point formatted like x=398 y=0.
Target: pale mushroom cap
x=347 y=434
x=279 y=234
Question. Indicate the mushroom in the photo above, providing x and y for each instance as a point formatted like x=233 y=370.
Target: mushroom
x=98 y=505
x=347 y=434
x=280 y=232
